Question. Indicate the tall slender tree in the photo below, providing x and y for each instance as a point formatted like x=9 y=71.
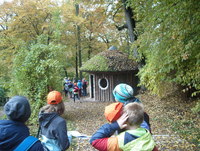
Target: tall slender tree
x=78 y=41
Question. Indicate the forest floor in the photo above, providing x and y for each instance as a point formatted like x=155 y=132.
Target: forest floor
x=171 y=122
x=174 y=126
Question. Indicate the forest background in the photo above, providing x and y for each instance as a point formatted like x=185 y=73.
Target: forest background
x=43 y=41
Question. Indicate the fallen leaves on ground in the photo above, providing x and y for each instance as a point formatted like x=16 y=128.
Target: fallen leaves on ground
x=86 y=118
x=168 y=117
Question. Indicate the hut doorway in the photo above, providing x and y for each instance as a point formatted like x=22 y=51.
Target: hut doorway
x=92 y=86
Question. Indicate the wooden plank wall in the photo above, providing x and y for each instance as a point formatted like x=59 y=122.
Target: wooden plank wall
x=102 y=95
x=113 y=79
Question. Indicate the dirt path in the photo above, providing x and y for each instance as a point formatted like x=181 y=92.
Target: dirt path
x=87 y=117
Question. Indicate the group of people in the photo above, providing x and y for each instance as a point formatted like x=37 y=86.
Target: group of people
x=52 y=132
x=75 y=89
x=128 y=128
x=128 y=123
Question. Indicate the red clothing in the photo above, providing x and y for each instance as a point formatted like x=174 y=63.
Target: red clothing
x=103 y=141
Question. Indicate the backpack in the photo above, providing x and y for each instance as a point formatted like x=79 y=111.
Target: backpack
x=26 y=144
x=84 y=84
x=66 y=86
x=70 y=85
x=75 y=89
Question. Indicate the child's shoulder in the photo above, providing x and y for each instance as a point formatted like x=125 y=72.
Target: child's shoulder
x=59 y=120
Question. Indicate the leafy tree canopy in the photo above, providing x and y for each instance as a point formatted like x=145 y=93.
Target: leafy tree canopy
x=37 y=69
x=169 y=41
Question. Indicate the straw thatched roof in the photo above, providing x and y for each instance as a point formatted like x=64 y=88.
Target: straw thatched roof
x=110 y=60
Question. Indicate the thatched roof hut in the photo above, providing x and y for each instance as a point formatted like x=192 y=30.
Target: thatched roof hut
x=107 y=69
x=109 y=61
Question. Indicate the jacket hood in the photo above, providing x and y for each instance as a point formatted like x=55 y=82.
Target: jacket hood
x=46 y=118
x=18 y=109
x=134 y=140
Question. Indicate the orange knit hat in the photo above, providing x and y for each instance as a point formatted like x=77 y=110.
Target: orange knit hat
x=54 y=97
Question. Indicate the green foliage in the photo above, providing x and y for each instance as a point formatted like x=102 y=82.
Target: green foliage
x=168 y=39
x=97 y=63
x=2 y=96
x=2 y=93
x=37 y=68
x=196 y=109
x=6 y=55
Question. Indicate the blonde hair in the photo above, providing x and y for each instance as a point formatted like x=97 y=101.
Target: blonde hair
x=59 y=108
x=135 y=113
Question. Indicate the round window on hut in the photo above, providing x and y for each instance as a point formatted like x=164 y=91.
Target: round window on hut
x=103 y=83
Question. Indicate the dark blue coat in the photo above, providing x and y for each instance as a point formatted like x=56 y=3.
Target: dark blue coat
x=12 y=133
x=54 y=128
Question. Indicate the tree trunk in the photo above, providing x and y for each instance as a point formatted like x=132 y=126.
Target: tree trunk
x=90 y=42
x=76 y=64
x=131 y=25
x=133 y=37
x=79 y=42
x=89 y=51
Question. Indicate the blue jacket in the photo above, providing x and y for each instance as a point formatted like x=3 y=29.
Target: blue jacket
x=79 y=84
x=12 y=133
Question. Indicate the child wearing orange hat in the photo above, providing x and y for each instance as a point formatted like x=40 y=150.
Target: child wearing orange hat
x=132 y=138
x=53 y=128
x=123 y=94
